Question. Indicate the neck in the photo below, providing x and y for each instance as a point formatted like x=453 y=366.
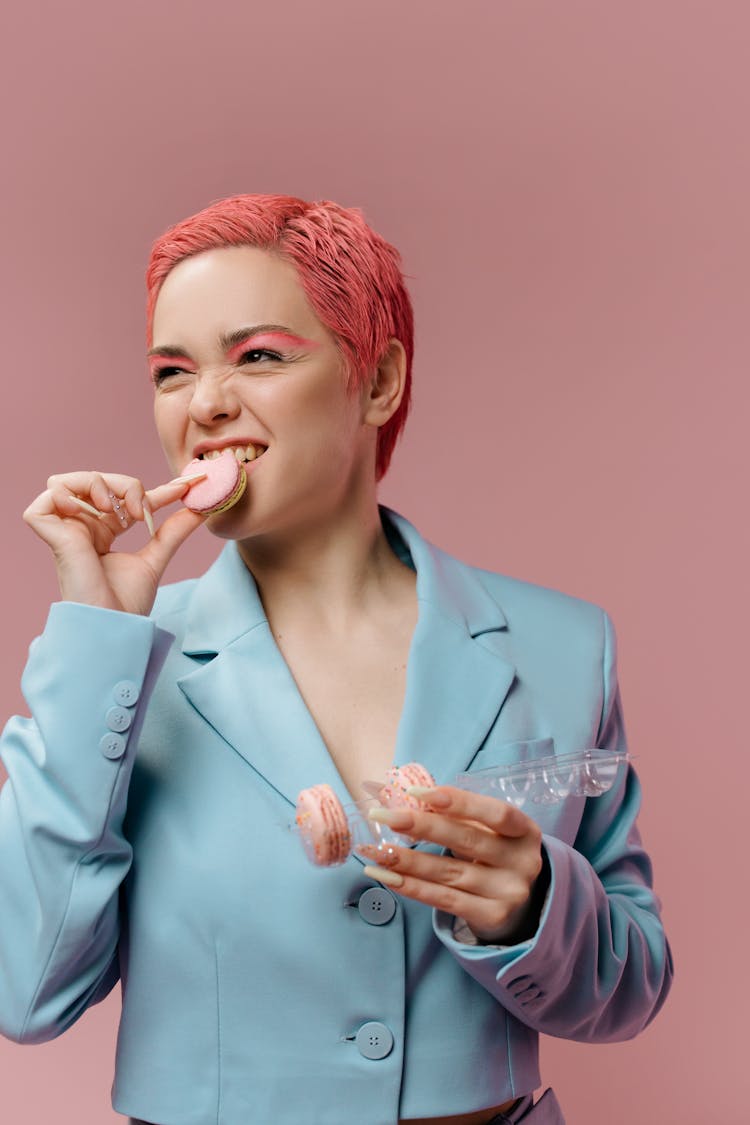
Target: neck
x=330 y=572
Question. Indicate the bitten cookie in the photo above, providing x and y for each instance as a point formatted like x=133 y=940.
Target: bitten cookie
x=224 y=484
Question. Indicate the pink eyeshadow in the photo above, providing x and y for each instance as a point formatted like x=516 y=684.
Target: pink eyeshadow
x=269 y=338
x=260 y=338
x=158 y=361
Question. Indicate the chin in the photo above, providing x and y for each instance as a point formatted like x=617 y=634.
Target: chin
x=235 y=523
x=227 y=525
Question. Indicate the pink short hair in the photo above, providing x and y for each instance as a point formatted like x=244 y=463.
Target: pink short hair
x=352 y=277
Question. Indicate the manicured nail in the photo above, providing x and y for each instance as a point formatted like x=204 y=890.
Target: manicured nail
x=188 y=480
x=390 y=878
x=88 y=507
x=395 y=818
x=148 y=517
x=432 y=797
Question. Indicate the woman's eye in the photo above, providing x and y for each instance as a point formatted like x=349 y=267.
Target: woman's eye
x=259 y=352
x=162 y=373
x=253 y=355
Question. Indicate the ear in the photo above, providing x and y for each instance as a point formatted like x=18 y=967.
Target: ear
x=385 y=389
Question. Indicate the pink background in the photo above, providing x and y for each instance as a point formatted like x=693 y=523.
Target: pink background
x=569 y=184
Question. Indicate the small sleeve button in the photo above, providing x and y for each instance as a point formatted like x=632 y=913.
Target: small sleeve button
x=112 y=745
x=126 y=693
x=118 y=718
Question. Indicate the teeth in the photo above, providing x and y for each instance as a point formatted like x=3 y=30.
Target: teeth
x=241 y=452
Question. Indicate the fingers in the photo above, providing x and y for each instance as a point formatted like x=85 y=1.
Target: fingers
x=111 y=496
x=170 y=537
x=447 y=871
x=489 y=899
x=499 y=816
x=117 y=499
x=60 y=518
x=100 y=489
x=495 y=859
x=451 y=871
x=96 y=485
x=80 y=515
x=473 y=839
x=164 y=494
x=86 y=507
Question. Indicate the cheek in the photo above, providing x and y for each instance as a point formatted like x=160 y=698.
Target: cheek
x=330 y=410
x=169 y=417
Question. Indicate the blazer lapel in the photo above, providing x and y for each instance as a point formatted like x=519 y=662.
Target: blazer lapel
x=457 y=675
x=245 y=690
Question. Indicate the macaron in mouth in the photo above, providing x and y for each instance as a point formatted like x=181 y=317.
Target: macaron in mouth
x=223 y=483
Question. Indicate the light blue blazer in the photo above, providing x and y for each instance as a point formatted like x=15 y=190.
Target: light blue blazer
x=145 y=836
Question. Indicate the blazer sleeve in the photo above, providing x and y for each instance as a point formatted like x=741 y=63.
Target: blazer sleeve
x=63 y=855
x=599 y=967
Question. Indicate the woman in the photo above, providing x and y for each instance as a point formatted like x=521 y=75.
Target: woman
x=144 y=828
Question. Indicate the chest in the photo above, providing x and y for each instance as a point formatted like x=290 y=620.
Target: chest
x=355 y=692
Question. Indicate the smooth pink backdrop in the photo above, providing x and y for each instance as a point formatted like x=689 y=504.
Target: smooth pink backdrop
x=569 y=185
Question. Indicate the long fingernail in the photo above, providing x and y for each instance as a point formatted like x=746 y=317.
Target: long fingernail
x=148 y=517
x=430 y=796
x=390 y=878
x=187 y=480
x=395 y=818
x=88 y=507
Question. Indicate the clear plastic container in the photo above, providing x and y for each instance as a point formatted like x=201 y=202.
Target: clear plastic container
x=330 y=830
x=546 y=781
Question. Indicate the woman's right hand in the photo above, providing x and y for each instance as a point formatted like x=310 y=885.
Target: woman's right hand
x=88 y=570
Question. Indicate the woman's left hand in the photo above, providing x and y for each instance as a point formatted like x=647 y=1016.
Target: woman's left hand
x=494 y=878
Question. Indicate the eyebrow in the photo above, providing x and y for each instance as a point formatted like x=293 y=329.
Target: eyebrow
x=226 y=340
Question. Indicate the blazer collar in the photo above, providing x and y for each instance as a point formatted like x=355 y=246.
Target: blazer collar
x=224 y=605
x=457 y=675
x=450 y=586
x=225 y=602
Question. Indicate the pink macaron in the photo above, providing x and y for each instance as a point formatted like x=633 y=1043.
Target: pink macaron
x=323 y=826
x=398 y=779
x=222 y=487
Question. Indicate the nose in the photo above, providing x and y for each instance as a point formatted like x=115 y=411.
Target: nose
x=213 y=400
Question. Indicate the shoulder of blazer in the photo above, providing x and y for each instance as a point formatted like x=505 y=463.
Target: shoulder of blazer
x=523 y=601
x=545 y=627
x=527 y=596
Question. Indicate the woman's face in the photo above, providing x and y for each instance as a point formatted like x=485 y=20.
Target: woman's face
x=250 y=364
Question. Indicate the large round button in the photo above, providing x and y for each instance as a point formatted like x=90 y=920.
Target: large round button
x=112 y=745
x=118 y=718
x=374 y=1040
x=376 y=906
x=126 y=693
